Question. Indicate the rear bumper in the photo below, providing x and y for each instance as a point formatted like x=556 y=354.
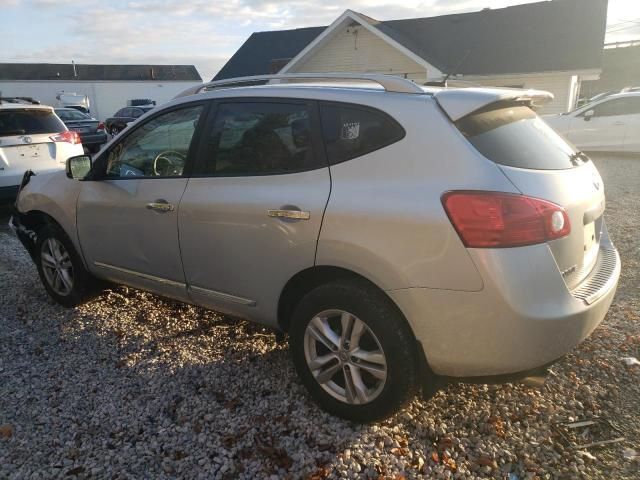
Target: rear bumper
x=93 y=138
x=524 y=318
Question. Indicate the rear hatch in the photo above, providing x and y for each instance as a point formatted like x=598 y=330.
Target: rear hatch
x=26 y=140
x=78 y=121
x=87 y=126
x=543 y=165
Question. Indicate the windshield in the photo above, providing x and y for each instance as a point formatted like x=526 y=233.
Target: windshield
x=517 y=137
x=29 y=122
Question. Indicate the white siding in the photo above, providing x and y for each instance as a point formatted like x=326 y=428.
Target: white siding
x=355 y=49
x=105 y=97
x=560 y=84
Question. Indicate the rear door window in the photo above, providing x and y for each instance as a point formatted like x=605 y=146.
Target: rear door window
x=29 y=122
x=516 y=137
x=351 y=131
x=260 y=138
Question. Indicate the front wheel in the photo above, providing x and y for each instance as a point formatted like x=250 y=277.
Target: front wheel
x=61 y=269
x=354 y=351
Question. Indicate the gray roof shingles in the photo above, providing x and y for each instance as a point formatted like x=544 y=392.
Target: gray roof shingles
x=88 y=72
x=558 y=35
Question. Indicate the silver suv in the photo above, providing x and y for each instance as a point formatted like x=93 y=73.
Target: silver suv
x=399 y=235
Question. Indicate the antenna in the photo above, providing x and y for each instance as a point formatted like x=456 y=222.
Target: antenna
x=453 y=71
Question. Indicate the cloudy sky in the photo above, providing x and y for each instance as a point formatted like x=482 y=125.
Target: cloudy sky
x=204 y=32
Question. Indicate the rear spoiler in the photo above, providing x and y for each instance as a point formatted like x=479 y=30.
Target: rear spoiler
x=460 y=102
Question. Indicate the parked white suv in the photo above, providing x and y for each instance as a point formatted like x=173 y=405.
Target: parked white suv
x=396 y=234
x=32 y=137
x=610 y=124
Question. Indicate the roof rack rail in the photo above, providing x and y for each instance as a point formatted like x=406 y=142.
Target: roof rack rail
x=390 y=83
x=19 y=100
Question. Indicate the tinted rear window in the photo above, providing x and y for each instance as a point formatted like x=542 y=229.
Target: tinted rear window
x=29 y=122
x=516 y=137
x=72 y=115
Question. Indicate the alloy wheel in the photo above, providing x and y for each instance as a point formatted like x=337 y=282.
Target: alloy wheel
x=57 y=266
x=345 y=357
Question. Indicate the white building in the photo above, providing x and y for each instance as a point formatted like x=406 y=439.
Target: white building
x=550 y=45
x=108 y=87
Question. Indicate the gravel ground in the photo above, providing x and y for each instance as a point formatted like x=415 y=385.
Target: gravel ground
x=135 y=386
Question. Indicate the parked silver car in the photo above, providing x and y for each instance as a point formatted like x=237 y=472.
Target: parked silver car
x=399 y=234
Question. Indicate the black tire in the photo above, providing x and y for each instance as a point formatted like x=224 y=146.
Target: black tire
x=394 y=336
x=83 y=285
x=114 y=131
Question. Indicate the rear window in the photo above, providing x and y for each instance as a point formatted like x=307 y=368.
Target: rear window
x=72 y=115
x=29 y=122
x=516 y=137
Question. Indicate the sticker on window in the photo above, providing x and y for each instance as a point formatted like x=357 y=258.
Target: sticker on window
x=350 y=131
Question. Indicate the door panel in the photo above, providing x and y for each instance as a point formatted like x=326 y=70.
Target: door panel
x=236 y=256
x=252 y=219
x=605 y=130
x=128 y=212
x=632 y=137
x=125 y=241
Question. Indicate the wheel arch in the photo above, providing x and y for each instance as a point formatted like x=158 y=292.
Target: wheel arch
x=34 y=220
x=308 y=279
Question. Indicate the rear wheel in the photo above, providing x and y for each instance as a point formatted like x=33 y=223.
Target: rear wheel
x=114 y=131
x=353 y=351
x=61 y=269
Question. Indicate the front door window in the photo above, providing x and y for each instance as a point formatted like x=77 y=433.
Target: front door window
x=158 y=148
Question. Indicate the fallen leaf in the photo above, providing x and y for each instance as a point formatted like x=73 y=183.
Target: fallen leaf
x=435 y=457
x=449 y=462
x=6 y=431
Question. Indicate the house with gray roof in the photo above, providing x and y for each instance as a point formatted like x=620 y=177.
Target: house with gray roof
x=108 y=87
x=550 y=45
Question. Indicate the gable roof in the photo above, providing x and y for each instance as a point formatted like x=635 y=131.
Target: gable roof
x=558 y=35
x=256 y=55
x=87 y=72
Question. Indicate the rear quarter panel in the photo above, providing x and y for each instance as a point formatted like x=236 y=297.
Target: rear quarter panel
x=385 y=219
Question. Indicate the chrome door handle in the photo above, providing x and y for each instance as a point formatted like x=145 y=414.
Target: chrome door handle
x=160 y=206
x=293 y=214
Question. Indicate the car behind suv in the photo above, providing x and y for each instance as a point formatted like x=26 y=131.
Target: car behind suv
x=610 y=124
x=399 y=235
x=32 y=138
x=124 y=117
x=91 y=131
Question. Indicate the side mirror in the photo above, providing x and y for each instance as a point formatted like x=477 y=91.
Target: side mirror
x=587 y=115
x=78 y=167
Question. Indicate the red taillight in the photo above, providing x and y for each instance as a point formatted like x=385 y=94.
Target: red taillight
x=494 y=220
x=100 y=126
x=68 y=136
